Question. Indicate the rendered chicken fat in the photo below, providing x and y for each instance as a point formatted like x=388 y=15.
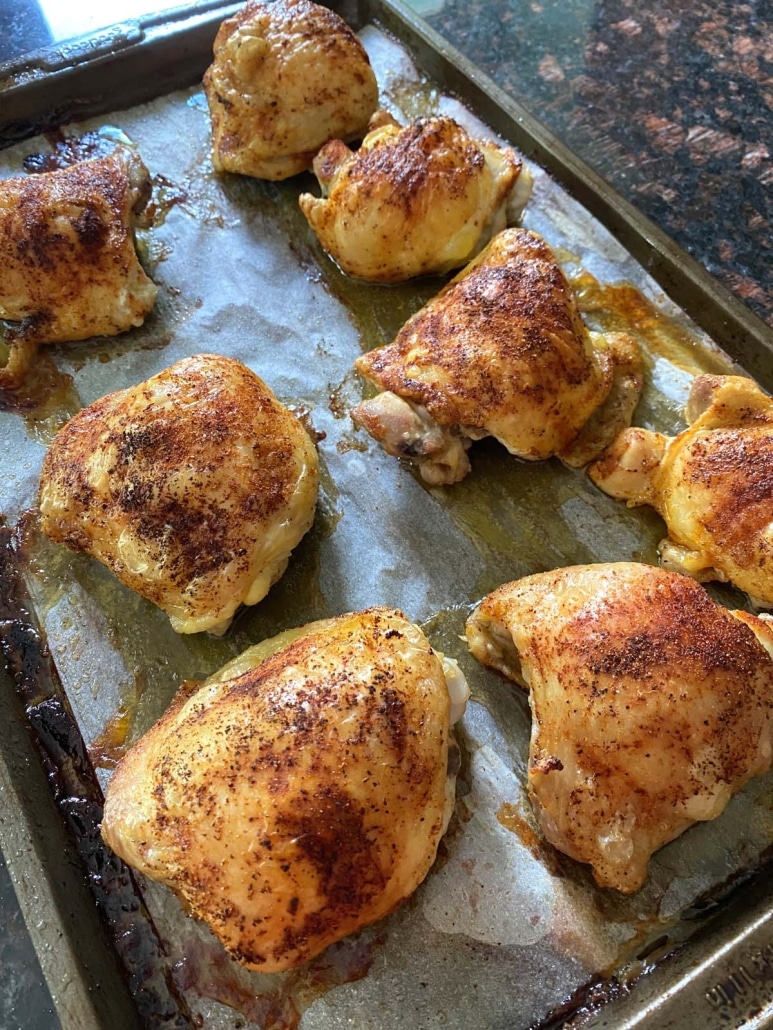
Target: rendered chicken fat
x=192 y=487
x=287 y=77
x=298 y=794
x=69 y=268
x=650 y=702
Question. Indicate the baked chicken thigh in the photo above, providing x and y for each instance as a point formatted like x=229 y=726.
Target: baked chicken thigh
x=286 y=77
x=299 y=795
x=502 y=351
x=712 y=484
x=69 y=267
x=192 y=487
x=651 y=705
x=413 y=201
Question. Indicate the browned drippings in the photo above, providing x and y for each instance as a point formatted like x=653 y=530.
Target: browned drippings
x=277 y=1000
x=511 y=817
x=69 y=150
x=621 y=307
x=166 y=196
x=16 y=358
x=304 y=415
x=111 y=745
x=45 y=397
x=207 y=970
x=351 y=443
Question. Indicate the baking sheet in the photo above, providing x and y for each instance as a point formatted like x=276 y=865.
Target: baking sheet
x=504 y=929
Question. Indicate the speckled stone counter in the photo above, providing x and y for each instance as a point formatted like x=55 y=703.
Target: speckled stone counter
x=672 y=103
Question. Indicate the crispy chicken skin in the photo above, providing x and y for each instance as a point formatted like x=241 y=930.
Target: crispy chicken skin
x=295 y=798
x=413 y=201
x=287 y=77
x=651 y=705
x=192 y=487
x=502 y=351
x=70 y=268
x=712 y=484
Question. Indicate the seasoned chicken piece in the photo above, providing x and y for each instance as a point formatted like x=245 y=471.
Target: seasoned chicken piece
x=294 y=798
x=193 y=488
x=69 y=265
x=413 y=201
x=651 y=705
x=712 y=484
x=501 y=351
x=287 y=77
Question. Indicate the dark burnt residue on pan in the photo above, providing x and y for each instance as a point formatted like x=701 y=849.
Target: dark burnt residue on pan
x=78 y=797
x=69 y=150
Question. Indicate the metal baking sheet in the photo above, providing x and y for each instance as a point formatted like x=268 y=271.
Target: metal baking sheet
x=504 y=932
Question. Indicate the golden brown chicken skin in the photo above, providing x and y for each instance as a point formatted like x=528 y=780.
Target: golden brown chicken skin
x=415 y=200
x=651 y=705
x=70 y=268
x=287 y=76
x=295 y=798
x=712 y=484
x=502 y=351
x=192 y=487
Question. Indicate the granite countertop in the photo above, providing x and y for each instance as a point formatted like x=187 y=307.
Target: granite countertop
x=671 y=103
